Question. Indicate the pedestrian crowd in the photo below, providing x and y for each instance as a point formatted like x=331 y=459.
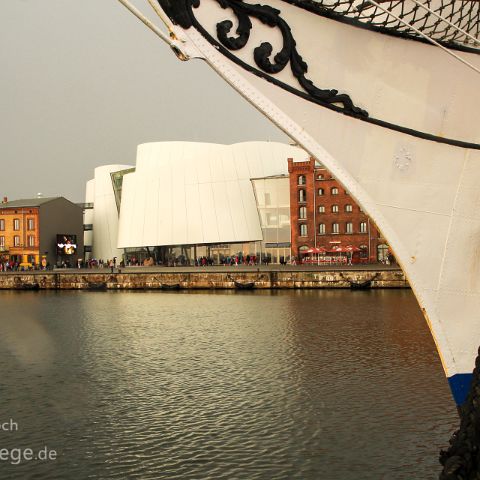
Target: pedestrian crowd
x=231 y=260
x=8 y=266
x=15 y=266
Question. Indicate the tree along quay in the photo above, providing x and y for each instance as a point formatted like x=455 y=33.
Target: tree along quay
x=224 y=279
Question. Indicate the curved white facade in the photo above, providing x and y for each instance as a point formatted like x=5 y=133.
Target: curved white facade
x=104 y=216
x=186 y=193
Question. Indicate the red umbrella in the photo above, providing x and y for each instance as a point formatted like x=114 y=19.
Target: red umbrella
x=339 y=249
x=315 y=250
x=352 y=248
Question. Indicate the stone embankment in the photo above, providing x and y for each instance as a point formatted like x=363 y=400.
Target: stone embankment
x=166 y=280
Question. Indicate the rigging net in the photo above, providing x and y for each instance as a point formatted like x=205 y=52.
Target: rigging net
x=461 y=15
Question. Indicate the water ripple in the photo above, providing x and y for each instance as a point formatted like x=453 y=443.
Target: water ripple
x=271 y=385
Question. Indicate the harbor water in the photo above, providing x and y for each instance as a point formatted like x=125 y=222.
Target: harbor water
x=310 y=384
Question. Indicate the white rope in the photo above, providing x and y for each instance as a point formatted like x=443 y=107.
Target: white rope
x=146 y=21
x=431 y=40
x=422 y=5
x=161 y=14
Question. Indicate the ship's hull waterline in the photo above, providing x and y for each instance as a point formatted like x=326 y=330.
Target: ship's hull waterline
x=413 y=163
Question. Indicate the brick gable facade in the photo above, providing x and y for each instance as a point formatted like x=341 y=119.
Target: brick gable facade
x=323 y=214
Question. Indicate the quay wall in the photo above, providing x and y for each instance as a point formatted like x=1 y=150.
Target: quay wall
x=83 y=280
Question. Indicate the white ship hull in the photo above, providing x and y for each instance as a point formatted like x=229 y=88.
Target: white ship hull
x=413 y=164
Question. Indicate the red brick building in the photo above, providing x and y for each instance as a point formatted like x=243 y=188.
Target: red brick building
x=323 y=214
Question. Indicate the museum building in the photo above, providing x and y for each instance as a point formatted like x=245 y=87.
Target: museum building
x=188 y=200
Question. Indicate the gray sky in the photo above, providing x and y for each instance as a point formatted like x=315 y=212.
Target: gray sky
x=82 y=82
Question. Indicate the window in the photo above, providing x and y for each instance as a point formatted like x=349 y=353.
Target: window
x=346 y=192
x=2 y=241
x=16 y=241
x=321 y=229
x=2 y=224
x=320 y=176
x=302 y=195
x=16 y=224
x=303 y=230
x=303 y=249
x=267 y=199
x=363 y=227
x=363 y=251
x=31 y=224
x=302 y=180
x=349 y=227
x=321 y=209
x=271 y=219
x=335 y=228
x=321 y=191
x=334 y=191
x=348 y=208
x=334 y=208
x=302 y=213
x=382 y=253
x=31 y=240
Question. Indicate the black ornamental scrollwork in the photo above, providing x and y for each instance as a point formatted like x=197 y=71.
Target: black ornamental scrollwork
x=287 y=55
x=181 y=11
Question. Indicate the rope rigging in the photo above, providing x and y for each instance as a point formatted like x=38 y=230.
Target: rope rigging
x=426 y=36
x=443 y=19
x=450 y=22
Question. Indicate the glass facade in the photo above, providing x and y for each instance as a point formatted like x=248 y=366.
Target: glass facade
x=274 y=218
x=117 y=183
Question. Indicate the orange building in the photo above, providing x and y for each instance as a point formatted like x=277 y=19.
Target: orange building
x=19 y=233
x=29 y=228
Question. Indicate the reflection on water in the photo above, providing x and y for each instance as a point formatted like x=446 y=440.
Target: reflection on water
x=230 y=385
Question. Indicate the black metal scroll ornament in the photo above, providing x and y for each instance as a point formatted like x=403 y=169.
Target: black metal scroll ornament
x=181 y=12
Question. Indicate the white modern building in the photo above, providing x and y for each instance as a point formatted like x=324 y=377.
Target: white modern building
x=194 y=196
x=101 y=215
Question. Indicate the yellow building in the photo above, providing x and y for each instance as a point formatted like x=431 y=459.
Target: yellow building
x=29 y=229
x=19 y=232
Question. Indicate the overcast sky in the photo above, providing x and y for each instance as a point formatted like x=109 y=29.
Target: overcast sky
x=82 y=82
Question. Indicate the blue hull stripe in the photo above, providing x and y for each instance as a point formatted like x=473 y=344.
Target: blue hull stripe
x=460 y=386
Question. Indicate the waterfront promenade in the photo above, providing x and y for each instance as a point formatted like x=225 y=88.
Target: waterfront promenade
x=369 y=267
x=213 y=277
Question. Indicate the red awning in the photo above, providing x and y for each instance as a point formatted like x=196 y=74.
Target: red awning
x=338 y=249
x=315 y=250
